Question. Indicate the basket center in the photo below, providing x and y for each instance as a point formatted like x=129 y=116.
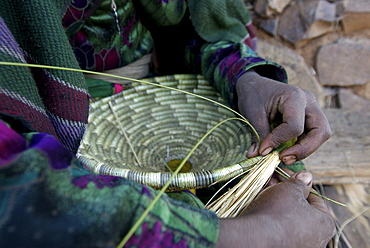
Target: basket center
x=175 y=163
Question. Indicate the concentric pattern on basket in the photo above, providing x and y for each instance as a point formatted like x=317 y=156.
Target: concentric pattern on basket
x=161 y=125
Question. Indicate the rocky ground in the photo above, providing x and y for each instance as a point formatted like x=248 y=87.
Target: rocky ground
x=325 y=48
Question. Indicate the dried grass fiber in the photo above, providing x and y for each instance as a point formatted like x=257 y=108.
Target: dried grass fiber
x=162 y=125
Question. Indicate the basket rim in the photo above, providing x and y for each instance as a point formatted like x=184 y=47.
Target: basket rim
x=183 y=180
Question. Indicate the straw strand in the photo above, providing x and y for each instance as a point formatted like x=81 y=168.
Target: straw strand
x=124 y=133
x=233 y=202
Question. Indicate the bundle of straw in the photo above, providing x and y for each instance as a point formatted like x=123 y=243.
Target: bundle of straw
x=235 y=200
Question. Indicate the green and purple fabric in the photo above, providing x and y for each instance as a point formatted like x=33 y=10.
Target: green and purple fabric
x=191 y=39
x=50 y=101
x=48 y=198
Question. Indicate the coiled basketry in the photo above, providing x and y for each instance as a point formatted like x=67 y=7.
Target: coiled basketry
x=162 y=126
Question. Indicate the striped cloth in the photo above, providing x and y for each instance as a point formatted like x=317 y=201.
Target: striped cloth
x=49 y=101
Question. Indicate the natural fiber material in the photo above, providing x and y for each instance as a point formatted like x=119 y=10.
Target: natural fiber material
x=163 y=125
x=238 y=198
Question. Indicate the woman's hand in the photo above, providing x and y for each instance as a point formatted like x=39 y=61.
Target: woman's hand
x=283 y=215
x=263 y=101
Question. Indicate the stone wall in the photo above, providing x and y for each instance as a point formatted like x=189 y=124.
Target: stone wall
x=324 y=45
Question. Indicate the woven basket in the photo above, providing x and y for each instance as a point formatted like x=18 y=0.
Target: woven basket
x=164 y=125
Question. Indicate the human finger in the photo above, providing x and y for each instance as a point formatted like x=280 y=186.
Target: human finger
x=281 y=178
x=252 y=105
x=292 y=111
x=262 y=126
x=327 y=224
x=317 y=132
x=302 y=177
x=317 y=202
x=273 y=180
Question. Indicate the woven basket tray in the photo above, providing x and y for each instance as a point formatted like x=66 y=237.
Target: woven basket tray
x=164 y=125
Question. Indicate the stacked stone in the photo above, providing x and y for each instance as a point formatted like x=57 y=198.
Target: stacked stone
x=324 y=45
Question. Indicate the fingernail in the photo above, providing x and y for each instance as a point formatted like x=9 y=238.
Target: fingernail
x=289 y=159
x=251 y=149
x=267 y=151
x=304 y=177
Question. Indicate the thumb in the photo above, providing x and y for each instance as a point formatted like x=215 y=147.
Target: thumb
x=303 y=179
